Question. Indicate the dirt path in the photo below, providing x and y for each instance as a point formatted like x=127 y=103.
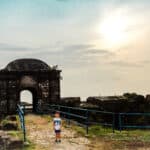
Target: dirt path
x=40 y=132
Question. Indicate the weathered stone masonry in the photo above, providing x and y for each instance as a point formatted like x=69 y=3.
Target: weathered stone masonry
x=28 y=74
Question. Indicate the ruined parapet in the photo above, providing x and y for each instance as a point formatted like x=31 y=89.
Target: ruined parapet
x=148 y=98
x=126 y=103
x=87 y=105
x=70 y=101
x=108 y=103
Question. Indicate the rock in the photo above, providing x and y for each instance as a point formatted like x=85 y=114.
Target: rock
x=14 y=144
x=9 y=126
x=11 y=118
x=94 y=100
x=88 y=105
x=9 y=143
x=70 y=101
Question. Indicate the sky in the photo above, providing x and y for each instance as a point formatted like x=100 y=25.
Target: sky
x=101 y=46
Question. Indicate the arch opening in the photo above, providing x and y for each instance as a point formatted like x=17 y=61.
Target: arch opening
x=28 y=97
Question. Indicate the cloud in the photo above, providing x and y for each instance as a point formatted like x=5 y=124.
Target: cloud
x=120 y=63
x=99 y=52
x=76 y=50
x=71 y=55
x=12 y=48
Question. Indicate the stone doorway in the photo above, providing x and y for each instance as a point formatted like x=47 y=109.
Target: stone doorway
x=28 y=98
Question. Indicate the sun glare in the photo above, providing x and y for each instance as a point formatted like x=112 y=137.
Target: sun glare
x=112 y=29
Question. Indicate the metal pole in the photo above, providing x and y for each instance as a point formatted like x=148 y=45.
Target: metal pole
x=51 y=109
x=68 y=116
x=87 y=121
x=120 y=126
x=22 y=120
x=24 y=109
x=24 y=129
x=113 y=123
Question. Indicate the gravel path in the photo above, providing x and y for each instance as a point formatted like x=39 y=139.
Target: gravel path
x=40 y=132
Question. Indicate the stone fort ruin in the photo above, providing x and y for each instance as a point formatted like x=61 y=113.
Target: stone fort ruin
x=34 y=75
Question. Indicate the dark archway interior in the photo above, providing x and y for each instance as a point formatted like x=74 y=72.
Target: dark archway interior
x=34 y=97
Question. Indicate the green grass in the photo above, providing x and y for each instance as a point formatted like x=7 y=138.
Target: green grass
x=4 y=122
x=17 y=134
x=125 y=135
x=118 y=140
x=29 y=146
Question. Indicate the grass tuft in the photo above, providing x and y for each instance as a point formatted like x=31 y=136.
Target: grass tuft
x=125 y=135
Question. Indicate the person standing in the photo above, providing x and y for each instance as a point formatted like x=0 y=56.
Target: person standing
x=57 y=127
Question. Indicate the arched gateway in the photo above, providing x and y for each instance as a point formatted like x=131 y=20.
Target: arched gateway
x=28 y=74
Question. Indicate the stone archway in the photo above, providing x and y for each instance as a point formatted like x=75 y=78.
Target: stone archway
x=34 y=98
x=30 y=84
x=34 y=75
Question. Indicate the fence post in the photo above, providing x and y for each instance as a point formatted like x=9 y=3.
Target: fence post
x=24 y=109
x=24 y=129
x=51 y=109
x=113 y=123
x=68 y=116
x=120 y=124
x=87 y=121
x=58 y=108
x=21 y=113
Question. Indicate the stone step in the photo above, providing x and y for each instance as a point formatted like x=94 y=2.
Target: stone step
x=8 y=142
x=14 y=144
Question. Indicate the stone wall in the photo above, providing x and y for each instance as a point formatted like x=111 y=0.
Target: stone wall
x=28 y=74
x=136 y=103
x=3 y=97
x=70 y=101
